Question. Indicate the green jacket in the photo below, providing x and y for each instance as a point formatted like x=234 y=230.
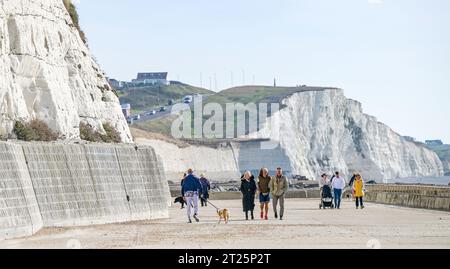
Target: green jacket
x=263 y=184
x=279 y=186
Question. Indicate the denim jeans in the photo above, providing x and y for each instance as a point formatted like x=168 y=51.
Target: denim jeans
x=337 y=198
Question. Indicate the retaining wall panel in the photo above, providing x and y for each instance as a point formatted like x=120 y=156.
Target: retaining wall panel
x=133 y=177
x=108 y=183
x=86 y=196
x=156 y=185
x=53 y=185
x=19 y=211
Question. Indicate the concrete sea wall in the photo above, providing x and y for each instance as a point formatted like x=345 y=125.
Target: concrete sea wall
x=19 y=211
x=413 y=196
x=426 y=197
x=48 y=185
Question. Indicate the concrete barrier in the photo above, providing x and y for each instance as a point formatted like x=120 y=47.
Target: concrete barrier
x=162 y=174
x=19 y=210
x=426 y=197
x=108 y=182
x=48 y=185
x=59 y=186
x=155 y=183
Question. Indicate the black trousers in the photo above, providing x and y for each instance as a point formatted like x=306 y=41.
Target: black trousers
x=359 y=200
x=204 y=201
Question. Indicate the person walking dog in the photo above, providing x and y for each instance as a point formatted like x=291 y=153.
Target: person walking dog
x=279 y=186
x=191 y=191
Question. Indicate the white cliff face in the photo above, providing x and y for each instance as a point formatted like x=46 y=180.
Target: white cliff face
x=317 y=131
x=323 y=131
x=48 y=73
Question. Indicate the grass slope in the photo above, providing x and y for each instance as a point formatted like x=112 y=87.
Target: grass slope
x=151 y=97
x=258 y=94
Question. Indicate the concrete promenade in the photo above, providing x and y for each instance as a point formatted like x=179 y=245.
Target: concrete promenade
x=305 y=226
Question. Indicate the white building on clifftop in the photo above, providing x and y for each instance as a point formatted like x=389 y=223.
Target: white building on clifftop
x=152 y=78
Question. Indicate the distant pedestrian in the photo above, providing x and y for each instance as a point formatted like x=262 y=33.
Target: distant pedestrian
x=359 y=190
x=324 y=181
x=264 y=192
x=279 y=186
x=191 y=191
x=182 y=180
x=248 y=189
x=352 y=180
x=338 y=185
x=206 y=187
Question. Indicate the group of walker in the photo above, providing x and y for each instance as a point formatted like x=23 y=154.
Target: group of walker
x=270 y=189
x=338 y=183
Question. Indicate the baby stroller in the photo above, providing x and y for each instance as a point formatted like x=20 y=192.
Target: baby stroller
x=327 y=198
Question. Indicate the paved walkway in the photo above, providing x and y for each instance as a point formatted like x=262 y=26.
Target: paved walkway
x=305 y=226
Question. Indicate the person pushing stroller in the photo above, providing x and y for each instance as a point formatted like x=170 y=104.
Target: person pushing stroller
x=326 y=195
x=191 y=191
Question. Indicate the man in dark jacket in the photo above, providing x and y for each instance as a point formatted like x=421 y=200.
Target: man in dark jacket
x=206 y=187
x=191 y=191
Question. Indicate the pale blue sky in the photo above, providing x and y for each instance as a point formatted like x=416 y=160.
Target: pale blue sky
x=392 y=55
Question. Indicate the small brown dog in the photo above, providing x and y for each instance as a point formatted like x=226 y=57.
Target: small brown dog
x=223 y=214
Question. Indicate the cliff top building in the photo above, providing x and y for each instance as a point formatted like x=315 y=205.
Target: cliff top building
x=409 y=138
x=434 y=142
x=126 y=110
x=152 y=78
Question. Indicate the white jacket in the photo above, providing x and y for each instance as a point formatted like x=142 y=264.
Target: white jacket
x=338 y=183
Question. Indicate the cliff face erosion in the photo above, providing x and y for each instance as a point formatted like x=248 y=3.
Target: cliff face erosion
x=323 y=131
x=48 y=73
x=316 y=131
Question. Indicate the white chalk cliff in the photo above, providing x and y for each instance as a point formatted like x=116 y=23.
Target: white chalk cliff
x=315 y=132
x=48 y=73
x=323 y=131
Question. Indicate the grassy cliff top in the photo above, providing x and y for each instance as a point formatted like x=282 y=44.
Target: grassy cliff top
x=259 y=94
x=151 y=97
x=244 y=95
